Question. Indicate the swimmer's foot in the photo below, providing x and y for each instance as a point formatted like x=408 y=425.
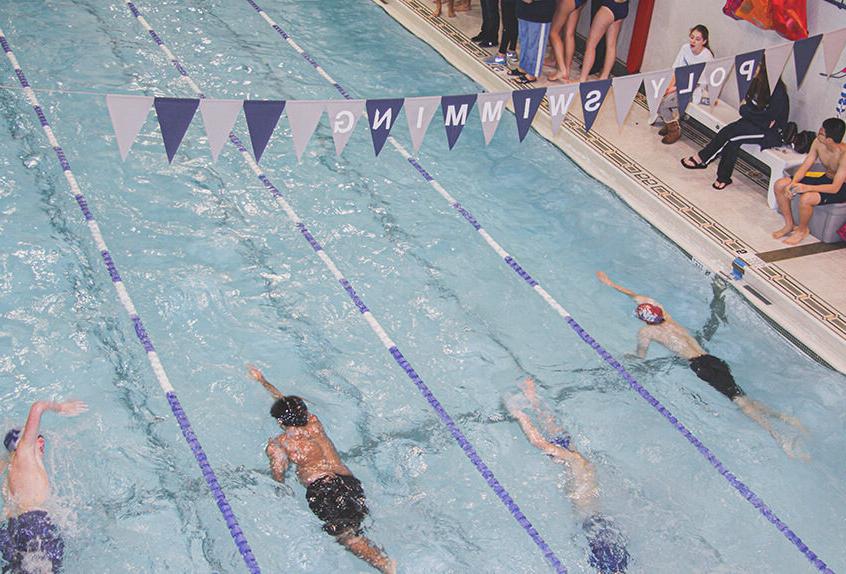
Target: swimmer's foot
x=436 y=13
x=558 y=76
x=786 y=230
x=793 y=450
x=798 y=235
x=450 y=14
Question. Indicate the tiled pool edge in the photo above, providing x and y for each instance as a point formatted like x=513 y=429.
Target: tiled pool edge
x=802 y=316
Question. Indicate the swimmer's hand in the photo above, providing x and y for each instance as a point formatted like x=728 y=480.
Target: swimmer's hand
x=71 y=408
x=255 y=373
x=603 y=278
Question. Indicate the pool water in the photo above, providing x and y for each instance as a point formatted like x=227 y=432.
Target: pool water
x=221 y=278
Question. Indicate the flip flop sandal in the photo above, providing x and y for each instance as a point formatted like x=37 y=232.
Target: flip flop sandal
x=721 y=185
x=690 y=163
x=525 y=80
x=516 y=72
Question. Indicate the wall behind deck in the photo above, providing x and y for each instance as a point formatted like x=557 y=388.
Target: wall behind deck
x=809 y=106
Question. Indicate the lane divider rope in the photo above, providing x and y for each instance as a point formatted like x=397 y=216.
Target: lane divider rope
x=399 y=358
x=742 y=488
x=140 y=332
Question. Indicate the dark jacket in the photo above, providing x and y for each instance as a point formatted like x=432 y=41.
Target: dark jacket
x=538 y=11
x=777 y=109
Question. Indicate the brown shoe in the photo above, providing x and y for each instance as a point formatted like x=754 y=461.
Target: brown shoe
x=673 y=133
x=663 y=130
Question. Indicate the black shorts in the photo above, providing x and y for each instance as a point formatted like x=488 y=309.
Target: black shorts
x=826 y=198
x=716 y=373
x=338 y=500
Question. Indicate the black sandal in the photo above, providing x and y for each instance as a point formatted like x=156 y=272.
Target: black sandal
x=516 y=72
x=525 y=80
x=721 y=185
x=690 y=163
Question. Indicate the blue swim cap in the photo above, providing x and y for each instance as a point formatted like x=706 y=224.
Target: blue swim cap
x=11 y=440
x=562 y=440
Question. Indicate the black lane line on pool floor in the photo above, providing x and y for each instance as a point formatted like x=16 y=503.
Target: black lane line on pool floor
x=738 y=485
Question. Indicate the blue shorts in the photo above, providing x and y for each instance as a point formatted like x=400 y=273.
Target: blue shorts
x=826 y=198
x=31 y=533
x=533 y=38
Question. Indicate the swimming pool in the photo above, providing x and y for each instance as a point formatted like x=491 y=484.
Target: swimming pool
x=221 y=278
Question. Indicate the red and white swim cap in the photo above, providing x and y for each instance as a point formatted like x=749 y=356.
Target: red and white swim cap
x=649 y=313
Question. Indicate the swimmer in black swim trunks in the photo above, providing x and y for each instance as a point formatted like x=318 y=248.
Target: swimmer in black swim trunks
x=660 y=327
x=334 y=495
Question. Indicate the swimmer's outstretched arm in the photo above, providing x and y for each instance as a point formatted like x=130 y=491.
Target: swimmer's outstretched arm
x=259 y=376
x=603 y=278
x=29 y=436
x=537 y=439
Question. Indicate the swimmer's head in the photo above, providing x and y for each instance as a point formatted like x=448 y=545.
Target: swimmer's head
x=649 y=313
x=290 y=412
x=14 y=435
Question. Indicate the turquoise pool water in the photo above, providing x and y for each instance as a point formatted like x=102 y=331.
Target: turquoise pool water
x=221 y=278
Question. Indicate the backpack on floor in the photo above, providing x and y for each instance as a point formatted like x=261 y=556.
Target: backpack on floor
x=803 y=140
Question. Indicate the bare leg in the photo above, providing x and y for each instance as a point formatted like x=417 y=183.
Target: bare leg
x=437 y=11
x=570 y=38
x=610 y=48
x=603 y=19
x=806 y=210
x=783 y=198
x=562 y=11
x=367 y=551
x=550 y=426
x=758 y=413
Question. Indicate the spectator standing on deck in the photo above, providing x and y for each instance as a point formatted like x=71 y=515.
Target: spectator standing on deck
x=534 y=19
x=566 y=18
x=607 y=22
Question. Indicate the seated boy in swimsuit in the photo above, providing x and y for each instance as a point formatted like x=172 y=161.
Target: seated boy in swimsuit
x=829 y=150
x=660 y=327
x=608 y=552
x=334 y=495
x=29 y=540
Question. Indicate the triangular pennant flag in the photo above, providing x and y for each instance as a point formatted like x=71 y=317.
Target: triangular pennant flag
x=382 y=115
x=833 y=44
x=128 y=114
x=715 y=75
x=526 y=104
x=803 y=53
x=491 y=106
x=218 y=118
x=419 y=113
x=687 y=78
x=625 y=90
x=262 y=117
x=175 y=115
x=303 y=116
x=343 y=116
x=744 y=70
x=456 y=110
x=655 y=84
x=776 y=59
x=593 y=94
x=559 y=99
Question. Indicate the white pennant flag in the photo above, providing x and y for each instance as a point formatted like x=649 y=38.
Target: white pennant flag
x=625 y=90
x=491 y=106
x=776 y=59
x=833 y=43
x=343 y=116
x=419 y=113
x=560 y=98
x=303 y=116
x=715 y=74
x=218 y=118
x=128 y=114
x=655 y=84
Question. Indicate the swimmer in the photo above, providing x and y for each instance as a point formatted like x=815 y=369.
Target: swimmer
x=660 y=327
x=334 y=495
x=608 y=552
x=29 y=532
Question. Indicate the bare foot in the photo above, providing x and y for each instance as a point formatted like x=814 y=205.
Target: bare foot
x=786 y=230
x=798 y=235
x=436 y=12
x=558 y=76
x=451 y=13
x=462 y=7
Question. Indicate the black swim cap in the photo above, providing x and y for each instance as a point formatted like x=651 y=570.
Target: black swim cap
x=290 y=411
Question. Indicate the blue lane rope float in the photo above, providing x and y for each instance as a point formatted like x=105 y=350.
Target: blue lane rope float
x=741 y=488
x=460 y=438
x=140 y=332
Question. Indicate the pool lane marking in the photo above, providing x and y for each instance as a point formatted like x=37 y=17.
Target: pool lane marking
x=738 y=485
x=399 y=358
x=140 y=332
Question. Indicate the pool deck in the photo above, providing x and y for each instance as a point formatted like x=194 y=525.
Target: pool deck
x=799 y=289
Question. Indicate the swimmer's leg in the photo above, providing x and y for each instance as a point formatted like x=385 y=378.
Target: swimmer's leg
x=548 y=422
x=758 y=413
x=362 y=547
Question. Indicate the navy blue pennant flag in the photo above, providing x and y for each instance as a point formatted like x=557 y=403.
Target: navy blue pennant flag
x=382 y=115
x=262 y=117
x=803 y=53
x=687 y=78
x=175 y=115
x=744 y=70
x=526 y=104
x=456 y=110
x=593 y=94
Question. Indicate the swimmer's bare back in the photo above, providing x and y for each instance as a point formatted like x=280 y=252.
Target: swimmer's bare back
x=312 y=451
